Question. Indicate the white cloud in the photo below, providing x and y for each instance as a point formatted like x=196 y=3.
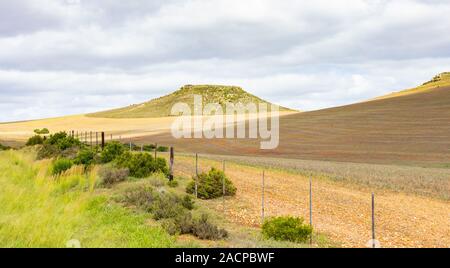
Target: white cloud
x=302 y=54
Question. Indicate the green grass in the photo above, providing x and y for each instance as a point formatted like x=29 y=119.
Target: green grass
x=38 y=210
x=162 y=106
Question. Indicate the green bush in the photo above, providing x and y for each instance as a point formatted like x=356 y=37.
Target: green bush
x=62 y=141
x=35 y=140
x=287 y=229
x=202 y=229
x=162 y=149
x=4 y=147
x=111 y=151
x=142 y=165
x=110 y=175
x=210 y=185
x=149 y=147
x=187 y=202
x=85 y=157
x=48 y=151
x=161 y=204
x=173 y=183
x=42 y=131
x=172 y=211
x=61 y=165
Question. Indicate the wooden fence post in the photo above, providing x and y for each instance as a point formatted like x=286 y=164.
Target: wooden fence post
x=171 y=163
x=90 y=138
x=373 y=220
x=103 y=140
x=96 y=139
x=156 y=150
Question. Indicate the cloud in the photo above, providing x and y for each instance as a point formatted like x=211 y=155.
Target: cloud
x=306 y=55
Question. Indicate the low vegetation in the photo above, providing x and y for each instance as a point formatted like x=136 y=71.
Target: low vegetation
x=37 y=210
x=110 y=175
x=60 y=165
x=4 y=147
x=172 y=210
x=210 y=185
x=111 y=151
x=141 y=165
x=35 y=140
x=287 y=229
x=43 y=131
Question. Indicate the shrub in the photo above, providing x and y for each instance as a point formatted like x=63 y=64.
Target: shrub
x=48 y=151
x=172 y=211
x=141 y=197
x=161 y=204
x=202 y=229
x=162 y=149
x=287 y=229
x=111 y=151
x=35 y=140
x=149 y=147
x=110 y=176
x=172 y=183
x=42 y=131
x=167 y=206
x=141 y=165
x=210 y=185
x=4 y=147
x=187 y=202
x=61 y=165
x=85 y=157
x=62 y=141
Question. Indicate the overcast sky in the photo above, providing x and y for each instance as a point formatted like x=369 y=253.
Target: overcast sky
x=60 y=57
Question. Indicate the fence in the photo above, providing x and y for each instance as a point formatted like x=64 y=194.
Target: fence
x=87 y=138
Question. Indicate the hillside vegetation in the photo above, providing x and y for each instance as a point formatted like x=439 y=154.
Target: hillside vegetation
x=162 y=106
x=440 y=80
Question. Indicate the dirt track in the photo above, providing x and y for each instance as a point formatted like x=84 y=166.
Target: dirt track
x=341 y=213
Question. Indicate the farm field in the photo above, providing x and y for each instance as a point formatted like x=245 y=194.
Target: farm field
x=411 y=130
x=341 y=209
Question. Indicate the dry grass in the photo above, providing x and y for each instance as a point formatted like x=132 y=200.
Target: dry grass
x=431 y=182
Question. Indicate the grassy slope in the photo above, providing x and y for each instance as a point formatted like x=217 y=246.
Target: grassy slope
x=38 y=211
x=440 y=80
x=162 y=106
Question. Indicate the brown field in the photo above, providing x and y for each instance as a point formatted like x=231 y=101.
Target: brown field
x=412 y=130
x=342 y=211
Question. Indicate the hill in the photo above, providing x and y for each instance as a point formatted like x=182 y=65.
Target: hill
x=409 y=128
x=440 y=80
x=162 y=106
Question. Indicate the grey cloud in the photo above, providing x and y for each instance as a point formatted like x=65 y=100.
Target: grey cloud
x=302 y=54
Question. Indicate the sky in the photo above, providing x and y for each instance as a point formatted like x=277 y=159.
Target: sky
x=60 y=57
